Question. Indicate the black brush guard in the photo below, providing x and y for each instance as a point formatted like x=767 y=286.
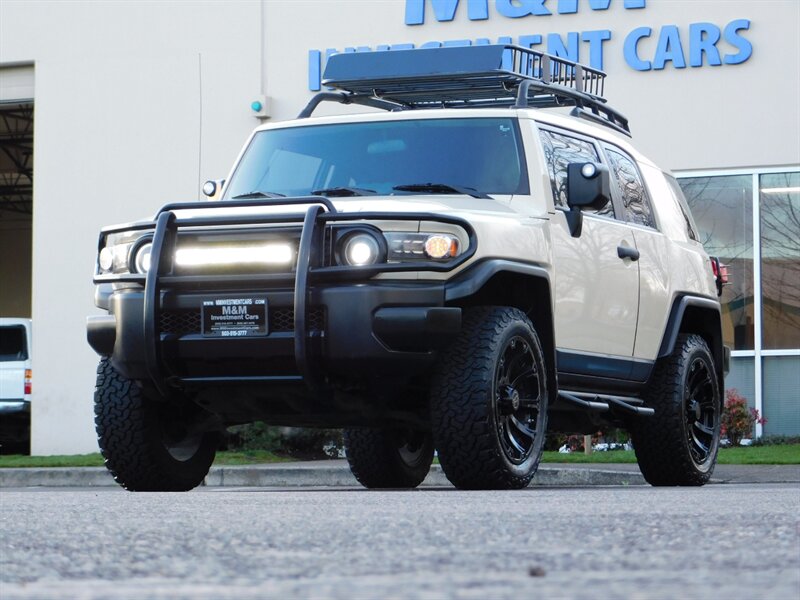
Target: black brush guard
x=320 y=212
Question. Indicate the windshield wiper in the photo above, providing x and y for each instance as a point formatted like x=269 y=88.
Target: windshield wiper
x=441 y=188
x=258 y=194
x=335 y=192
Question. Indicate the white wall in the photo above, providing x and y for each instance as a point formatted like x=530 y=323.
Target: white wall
x=119 y=121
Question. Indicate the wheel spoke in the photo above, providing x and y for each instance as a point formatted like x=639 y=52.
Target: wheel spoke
x=702 y=446
x=509 y=368
x=512 y=440
x=704 y=428
x=529 y=403
x=699 y=386
x=524 y=429
x=525 y=373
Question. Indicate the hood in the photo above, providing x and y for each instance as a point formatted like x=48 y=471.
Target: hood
x=417 y=203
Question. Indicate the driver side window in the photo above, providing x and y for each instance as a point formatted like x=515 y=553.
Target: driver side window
x=559 y=151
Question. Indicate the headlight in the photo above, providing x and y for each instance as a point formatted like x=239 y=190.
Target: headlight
x=421 y=246
x=141 y=258
x=115 y=256
x=360 y=249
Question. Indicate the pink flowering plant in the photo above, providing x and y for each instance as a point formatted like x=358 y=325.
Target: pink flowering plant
x=738 y=419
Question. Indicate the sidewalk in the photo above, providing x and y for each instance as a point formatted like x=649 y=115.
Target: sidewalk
x=335 y=473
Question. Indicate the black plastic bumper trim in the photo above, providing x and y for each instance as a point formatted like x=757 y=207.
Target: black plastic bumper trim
x=101 y=333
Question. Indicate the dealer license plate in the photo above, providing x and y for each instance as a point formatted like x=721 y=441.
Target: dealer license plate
x=235 y=317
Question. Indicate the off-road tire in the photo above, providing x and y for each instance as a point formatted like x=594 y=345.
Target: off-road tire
x=131 y=438
x=377 y=459
x=662 y=442
x=464 y=409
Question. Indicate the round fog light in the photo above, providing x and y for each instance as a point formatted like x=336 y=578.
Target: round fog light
x=141 y=262
x=361 y=249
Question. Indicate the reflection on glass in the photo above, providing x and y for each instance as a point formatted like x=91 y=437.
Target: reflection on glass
x=780 y=259
x=723 y=210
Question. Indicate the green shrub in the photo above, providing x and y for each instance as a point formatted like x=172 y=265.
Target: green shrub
x=737 y=418
x=777 y=440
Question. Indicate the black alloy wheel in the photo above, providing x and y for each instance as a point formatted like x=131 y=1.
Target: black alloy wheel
x=519 y=388
x=678 y=445
x=489 y=401
x=702 y=414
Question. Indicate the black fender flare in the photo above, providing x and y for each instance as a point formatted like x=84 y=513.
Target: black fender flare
x=711 y=327
x=471 y=280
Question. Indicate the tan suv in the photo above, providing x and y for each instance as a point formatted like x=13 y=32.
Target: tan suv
x=458 y=272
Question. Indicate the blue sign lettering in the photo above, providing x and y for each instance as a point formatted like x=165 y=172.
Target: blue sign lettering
x=734 y=39
x=669 y=48
x=703 y=38
x=631 y=49
x=596 y=39
x=478 y=10
x=702 y=41
x=555 y=46
x=515 y=9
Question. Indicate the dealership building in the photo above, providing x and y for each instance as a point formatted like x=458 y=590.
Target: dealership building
x=109 y=110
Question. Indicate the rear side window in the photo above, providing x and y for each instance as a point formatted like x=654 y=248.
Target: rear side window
x=629 y=181
x=13 y=345
x=559 y=151
x=677 y=192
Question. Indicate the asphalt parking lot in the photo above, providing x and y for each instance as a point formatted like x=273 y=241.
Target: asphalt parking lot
x=631 y=542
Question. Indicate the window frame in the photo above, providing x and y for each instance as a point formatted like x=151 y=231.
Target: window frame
x=617 y=207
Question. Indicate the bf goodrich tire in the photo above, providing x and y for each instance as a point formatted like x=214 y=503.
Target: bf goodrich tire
x=142 y=440
x=489 y=401
x=679 y=444
x=387 y=458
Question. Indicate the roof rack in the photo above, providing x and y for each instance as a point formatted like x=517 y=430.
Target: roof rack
x=467 y=77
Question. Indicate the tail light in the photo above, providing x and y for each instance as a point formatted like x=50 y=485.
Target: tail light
x=720 y=272
x=28 y=379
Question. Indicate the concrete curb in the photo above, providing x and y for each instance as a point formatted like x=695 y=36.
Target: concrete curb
x=296 y=475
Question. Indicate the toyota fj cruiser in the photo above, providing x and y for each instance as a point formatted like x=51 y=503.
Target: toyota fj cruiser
x=458 y=272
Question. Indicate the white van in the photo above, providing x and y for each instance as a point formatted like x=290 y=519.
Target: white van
x=15 y=383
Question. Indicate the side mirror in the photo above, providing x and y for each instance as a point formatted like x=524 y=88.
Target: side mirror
x=589 y=186
x=213 y=187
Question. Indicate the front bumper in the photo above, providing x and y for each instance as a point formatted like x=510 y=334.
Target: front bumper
x=324 y=323
x=352 y=331
x=19 y=408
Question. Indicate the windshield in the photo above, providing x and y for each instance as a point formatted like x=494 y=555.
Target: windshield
x=12 y=343
x=480 y=154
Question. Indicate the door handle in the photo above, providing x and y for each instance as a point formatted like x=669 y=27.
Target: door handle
x=628 y=252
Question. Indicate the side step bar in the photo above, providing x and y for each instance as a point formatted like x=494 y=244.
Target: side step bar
x=603 y=403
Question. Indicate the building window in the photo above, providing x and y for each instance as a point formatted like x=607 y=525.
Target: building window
x=779 y=195
x=723 y=211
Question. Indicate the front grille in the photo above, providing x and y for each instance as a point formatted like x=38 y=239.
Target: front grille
x=281 y=319
x=180 y=322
